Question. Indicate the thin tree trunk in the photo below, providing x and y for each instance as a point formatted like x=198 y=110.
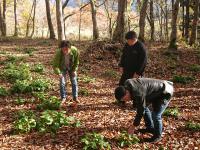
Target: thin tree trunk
x=152 y=20
x=161 y=25
x=33 y=20
x=194 y=23
x=63 y=7
x=1 y=20
x=50 y=24
x=4 y=19
x=28 y=22
x=79 y=29
x=166 y=22
x=183 y=15
x=187 y=20
x=60 y=24
x=94 y=20
x=173 y=37
x=120 y=28
x=128 y=20
x=160 y=22
x=142 y=20
x=15 y=14
x=109 y=17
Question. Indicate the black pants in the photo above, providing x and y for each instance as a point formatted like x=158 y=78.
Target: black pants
x=126 y=75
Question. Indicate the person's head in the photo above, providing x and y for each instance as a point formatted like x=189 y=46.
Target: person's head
x=65 y=46
x=131 y=37
x=122 y=95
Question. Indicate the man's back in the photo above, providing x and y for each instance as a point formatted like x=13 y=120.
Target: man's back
x=145 y=88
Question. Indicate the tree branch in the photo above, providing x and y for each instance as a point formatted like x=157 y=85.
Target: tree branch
x=100 y=4
x=65 y=4
x=69 y=16
x=75 y=12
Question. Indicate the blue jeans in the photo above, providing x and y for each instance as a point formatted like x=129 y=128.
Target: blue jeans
x=73 y=79
x=153 y=119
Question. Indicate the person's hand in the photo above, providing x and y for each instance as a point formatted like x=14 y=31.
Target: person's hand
x=121 y=69
x=131 y=129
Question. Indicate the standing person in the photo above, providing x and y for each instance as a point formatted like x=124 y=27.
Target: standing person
x=65 y=62
x=143 y=92
x=133 y=59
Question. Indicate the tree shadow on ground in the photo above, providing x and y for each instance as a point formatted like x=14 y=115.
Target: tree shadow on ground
x=68 y=136
x=99 y=106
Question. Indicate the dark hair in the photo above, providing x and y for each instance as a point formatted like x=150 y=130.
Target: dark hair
x=131 y=35
x=120 y=92
x=65 y=43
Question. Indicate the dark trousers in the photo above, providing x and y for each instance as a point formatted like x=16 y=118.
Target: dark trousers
x=126 y=75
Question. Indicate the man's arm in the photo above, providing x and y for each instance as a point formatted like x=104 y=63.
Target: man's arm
x=138 y=117
x=140 y=104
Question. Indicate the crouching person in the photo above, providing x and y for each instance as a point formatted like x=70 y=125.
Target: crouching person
x=65 y=63
x=143 y=92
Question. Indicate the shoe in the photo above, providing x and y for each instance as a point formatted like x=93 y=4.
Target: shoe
x=154 y=139
x=147 y=130
x=63 y=101
x=76 y=100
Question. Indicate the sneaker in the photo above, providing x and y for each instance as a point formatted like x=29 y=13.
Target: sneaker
x=155 y=139
x=147 y=130
x=63 y=101
x=76 y=100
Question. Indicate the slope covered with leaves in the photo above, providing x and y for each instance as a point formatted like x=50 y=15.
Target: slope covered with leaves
x=98 y=75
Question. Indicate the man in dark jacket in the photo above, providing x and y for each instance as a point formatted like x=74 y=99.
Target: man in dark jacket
x=143 y=92
x=134 y=58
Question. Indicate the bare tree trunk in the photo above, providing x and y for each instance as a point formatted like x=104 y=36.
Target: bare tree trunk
x=160 y=21
x=119 y=32
x=166 y=22
x=194 y=23
x=128 y=20
x=183 y=18
x=187 y=20
x=33 y=20
x=63 y=7
x=142 y=20
x=161 y=24
x=173 y=37
x=3 y=19
x=152 y=20
x=79 y=29
x=109 y=17
x=60 y=24
x=94 y=20
x=50 y=24
x=15 y=13
x=29 y=19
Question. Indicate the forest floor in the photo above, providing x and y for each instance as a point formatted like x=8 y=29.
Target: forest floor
x=97 y=111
